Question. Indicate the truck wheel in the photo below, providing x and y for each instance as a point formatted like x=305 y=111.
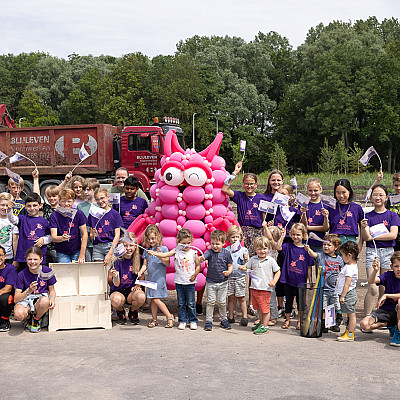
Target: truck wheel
x=45 y=184
x=28 y=189
x=3 y=187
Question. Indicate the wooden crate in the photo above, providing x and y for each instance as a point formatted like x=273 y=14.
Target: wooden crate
x=82 y=300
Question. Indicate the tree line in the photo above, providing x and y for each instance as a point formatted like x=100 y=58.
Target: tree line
x=318 y=106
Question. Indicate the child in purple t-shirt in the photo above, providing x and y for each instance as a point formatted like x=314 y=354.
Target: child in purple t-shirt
x=122 y=277
x=297 y=268
x=8 y=276
x=105 y=229
x=130 y=205
x=383 y=245
x=68 y=233
x=33 y=229
x=34 y=291
x=388 y=313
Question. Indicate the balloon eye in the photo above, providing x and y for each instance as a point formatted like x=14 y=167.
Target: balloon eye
x=173 y=176
x=195 y=176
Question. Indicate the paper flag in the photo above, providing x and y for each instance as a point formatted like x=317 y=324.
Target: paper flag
x=394 y=199
x=115 y=198
x=45 y=276
x=2 y=156
x=119 y=251
x=96 y=211
x=378 y=230
x=302 y=200
x=151 y=285
x=330 y=316
x=314 y=236
x=16 y=157
x=242 y=145
x=286 y=213
x=83 y=154
x=364 y=160
x=13 y=175
x=280 y=199
x=267 y=206
x=293 y=182
x=67 y=212
x=328 y=201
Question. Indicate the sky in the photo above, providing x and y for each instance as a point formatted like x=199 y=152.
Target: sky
x=118 y=27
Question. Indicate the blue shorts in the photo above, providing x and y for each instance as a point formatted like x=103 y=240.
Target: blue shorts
x=100 y=251
x=384 y=255
x=31 y=299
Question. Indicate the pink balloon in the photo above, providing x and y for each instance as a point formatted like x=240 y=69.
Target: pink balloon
x=158 y=217
x=200 y=244
x=170 y=242
x=176 y=157
x=195 y=211
x=168 y=227
x=181 y=220
x=182 y=205
x=201 y=281
x=206 y=237
x=193 y=194
x=170 y=281
x=171 y=266
x=208 y=204
x=217 y=163
x=219 y=210
x=157 y=175
x=153 y=191
x=208 y=188
x=218 y=196
x=230 y=214
x=203 y=266
x=169 y=194
x=204 y=272
x=170 y=211
x=152 y=208
x=196 y=227
x=219 y=177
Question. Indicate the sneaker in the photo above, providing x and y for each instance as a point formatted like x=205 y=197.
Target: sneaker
x=251 y=310
x=293 y=314
x=199 y=309
x=231 y=320
x=260 y=330
x=396 y=338
x=281 y=312
x=346 y=337
x=133 y=317
x=121 y=317
x=208 y=326
x=392 y=329
x=193 y=326
x=182 y=326
x=225 y=324
x=28 y=323
x=4 y=325
x=335 y=328
x=365 y=331
x=339 y=319
x=35 y=327
x=244 y=322
x=256 y=326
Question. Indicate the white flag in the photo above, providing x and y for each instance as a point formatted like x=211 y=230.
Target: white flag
x=83 y=154
x=16 y=157
x=268 y=207
x=364 y=160
x=328 y=201
x=13 y=175
x=394 y=199
x=242 y=145
x=293 y=182
x=2 y=156
x=302 y=200
x=378 y=230
x=280 y=199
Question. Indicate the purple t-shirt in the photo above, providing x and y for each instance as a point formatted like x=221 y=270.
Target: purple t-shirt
x=280 y=222
x=130 y=209
x=296 y=261
x=8 y=276
x=392 y=286
x=126 y=276
x=247 y=209
x=63 y=224
x=315 y=218
x=25 y=278
x=217 y=262
x=345 y=218
x=388 y=218
x=106 y=226
x=30 y=230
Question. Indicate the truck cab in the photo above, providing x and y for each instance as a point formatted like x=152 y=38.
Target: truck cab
x=142 y=148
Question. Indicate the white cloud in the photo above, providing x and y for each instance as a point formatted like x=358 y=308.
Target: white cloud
x=155 y=27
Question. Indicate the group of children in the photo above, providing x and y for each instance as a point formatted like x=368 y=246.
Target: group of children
x=276 y=254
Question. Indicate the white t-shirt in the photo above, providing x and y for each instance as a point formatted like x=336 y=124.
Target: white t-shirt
x=184 y=266
x=264 y=270
x=348 y=270
x=7 y=230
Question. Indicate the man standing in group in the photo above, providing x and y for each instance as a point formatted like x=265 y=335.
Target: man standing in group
x=120 y=175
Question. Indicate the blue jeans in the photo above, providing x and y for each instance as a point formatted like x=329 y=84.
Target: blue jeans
x=186 y=303
x=67 y=258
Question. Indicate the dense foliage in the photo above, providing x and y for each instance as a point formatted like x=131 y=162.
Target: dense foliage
x=320 y=105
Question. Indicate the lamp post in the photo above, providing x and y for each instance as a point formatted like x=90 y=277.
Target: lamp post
x=193 y=129
x=19 y=123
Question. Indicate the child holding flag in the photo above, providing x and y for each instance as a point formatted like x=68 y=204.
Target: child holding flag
x=68 y=230
x=380 y=224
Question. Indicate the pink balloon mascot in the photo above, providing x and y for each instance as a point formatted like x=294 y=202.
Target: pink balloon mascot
x=187 y=194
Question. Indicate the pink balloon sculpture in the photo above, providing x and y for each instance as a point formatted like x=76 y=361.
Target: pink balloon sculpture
x=187 y=194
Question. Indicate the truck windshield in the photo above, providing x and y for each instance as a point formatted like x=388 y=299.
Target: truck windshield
x=139 y=143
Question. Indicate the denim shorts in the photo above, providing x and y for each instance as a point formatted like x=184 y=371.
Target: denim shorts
x=31 y=299
x=100 y=251
x=329 y=298
x=67 y=258
x=384 y=254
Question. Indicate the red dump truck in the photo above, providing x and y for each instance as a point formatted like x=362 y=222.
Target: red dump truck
x=55 y=150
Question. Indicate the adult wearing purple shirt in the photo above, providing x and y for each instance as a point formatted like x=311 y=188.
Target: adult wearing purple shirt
x=249 y=217
x=384 y=243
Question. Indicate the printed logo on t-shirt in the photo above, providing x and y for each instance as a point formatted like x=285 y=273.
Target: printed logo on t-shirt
x=293 y=267
x=5 y=233
x=2 y=279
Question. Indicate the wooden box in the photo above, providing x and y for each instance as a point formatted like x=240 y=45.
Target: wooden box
x=82 y=300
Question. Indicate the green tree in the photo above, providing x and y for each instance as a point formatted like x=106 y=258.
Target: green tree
x=327 y=162
x=277 y=158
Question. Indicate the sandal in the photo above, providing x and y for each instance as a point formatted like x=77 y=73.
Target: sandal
x=286 y=325
x=272 y=322
x=298 y=327
x=152 y=324
x=170 y=322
